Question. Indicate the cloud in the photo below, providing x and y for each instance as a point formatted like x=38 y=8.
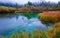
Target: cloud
x=19 y=1
x=25 y=1
x=52 y=0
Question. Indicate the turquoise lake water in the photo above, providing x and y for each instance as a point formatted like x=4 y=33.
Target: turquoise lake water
x=21 y=23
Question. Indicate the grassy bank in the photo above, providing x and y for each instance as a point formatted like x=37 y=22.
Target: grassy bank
x=4 y=10
x=49 y=17
x=6 y=15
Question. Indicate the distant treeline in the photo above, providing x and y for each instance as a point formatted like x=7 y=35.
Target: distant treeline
x=36 y=4
x=29 y=7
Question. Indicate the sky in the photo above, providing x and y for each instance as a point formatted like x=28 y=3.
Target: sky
x=25 y=1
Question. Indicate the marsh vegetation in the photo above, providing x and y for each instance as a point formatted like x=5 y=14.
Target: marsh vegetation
x=41 y=20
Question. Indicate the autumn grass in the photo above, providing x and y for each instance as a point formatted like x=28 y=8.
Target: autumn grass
x=56 y=30
x=4 y=9
x=34 y=34
x=49 y=17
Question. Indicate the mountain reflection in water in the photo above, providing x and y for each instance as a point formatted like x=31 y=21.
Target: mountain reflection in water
x=20 y=23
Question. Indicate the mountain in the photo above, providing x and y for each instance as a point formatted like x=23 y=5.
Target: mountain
x=10 y=4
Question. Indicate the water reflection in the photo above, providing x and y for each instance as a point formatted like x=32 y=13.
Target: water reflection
x=20 y=23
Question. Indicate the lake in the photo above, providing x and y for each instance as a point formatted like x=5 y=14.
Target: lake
x=20 y=23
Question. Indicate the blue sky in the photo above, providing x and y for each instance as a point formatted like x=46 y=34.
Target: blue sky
x=25 y=1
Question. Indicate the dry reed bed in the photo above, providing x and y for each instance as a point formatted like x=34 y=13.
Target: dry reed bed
x=55 y=15
x=49 y=17
x=55 y=32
